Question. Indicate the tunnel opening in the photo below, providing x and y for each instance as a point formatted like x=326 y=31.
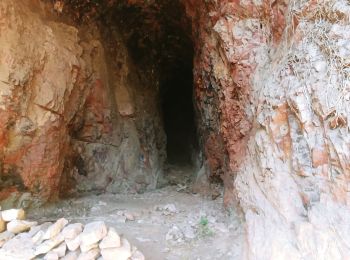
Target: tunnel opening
x=178 y=115
x=159 y=40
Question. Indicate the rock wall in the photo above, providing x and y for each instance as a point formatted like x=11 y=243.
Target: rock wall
x=272 y=90
x=71 y=116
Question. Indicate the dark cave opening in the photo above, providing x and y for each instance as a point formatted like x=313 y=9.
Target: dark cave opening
x=178 y=113
x=159 y=40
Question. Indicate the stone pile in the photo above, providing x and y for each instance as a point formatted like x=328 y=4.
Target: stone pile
x=24 y=240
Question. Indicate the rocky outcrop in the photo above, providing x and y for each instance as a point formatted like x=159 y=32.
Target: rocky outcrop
x=68 y=113
x=78 y=110
x=275 y=73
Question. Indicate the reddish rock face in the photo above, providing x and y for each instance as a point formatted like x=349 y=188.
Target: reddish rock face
x=78 y=110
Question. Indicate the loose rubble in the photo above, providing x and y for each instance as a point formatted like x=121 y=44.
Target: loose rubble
x=24 y=240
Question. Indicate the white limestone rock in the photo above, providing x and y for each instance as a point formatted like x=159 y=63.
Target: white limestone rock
x=56 y=228
x=73 y=244
x=137 y=255
x=60 y=250
x=13 y=214
x=111 y=240
x=2 y=224
x=20 y=247
x=51 y=256
x=5 y=236
x=73 y=255
x=93 y=233
x=84 y=248
x=18 y=226
x=89 y=255
x=72 y=231
x=47 y=245
x=117 y=253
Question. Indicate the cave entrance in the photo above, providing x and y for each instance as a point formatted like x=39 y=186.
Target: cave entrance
x=158 y=36
x=178 y=109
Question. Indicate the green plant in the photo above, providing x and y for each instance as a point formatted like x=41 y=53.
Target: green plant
x=203 y=228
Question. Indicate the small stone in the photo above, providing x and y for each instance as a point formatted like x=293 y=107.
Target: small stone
x=35 y=229
x=38 y=237
x=60 y=250
x=72 y=255
x=73 y=244
x=18 y=226
x=13 y=214
x=51 y=256
x=93 y=232
x=174 y=234
x=5 y=236
x=129 y=216
x=19 y=247
x=118 y=253
x=111 y=240
x=55 y=228
x=89 y=255
x=84 y=248
x=169 y=209
x=47 y=245
x=72 y=231
x=2 y=224
x=137 y=255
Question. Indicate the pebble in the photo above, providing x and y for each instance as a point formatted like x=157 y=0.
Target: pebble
x=129 y=216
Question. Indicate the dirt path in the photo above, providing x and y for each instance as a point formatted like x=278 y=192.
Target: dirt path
x=163 y=224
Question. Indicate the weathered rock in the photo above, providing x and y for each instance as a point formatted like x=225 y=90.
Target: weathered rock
x=51 y=256
x=73 y=244
x=72 y=255
x=47 y=245
x=120 y=253
x=92 y=233
x=13 y=214
x=2 y=224
x=87 y=247
x=20 y=247
x=89 y=255
x=72 y=231
x=60 y=250
x=35 y=229
x=5 y=236
x=38 y=237
x=55 y=228
x=18 y=226
x=137 y=255
x=111 y=240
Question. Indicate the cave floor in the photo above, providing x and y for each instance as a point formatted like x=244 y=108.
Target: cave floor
x=168 y=223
